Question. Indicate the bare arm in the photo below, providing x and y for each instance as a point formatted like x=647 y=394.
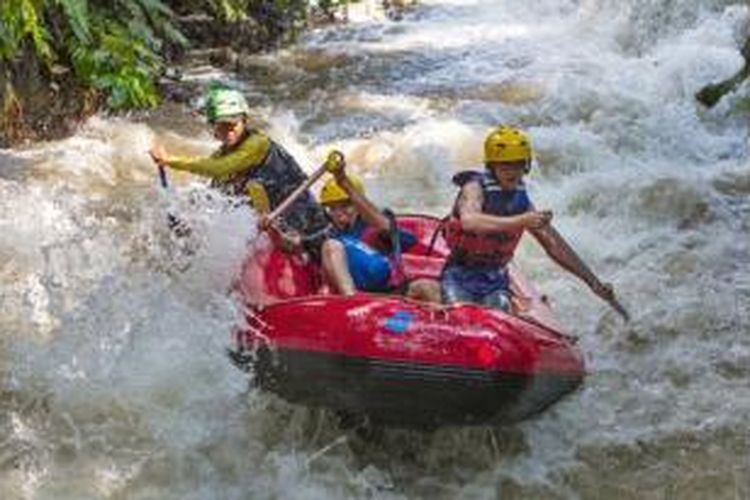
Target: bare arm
x=559 y=251
x=366 y=209
x=473 y=219
x=369 y=212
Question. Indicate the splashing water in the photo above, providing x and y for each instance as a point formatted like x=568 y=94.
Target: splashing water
x=113 y=379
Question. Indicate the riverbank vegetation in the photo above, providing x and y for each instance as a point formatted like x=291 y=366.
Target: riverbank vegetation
x=63 y=59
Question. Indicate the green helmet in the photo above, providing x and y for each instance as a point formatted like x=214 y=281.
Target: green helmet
x=223 y=103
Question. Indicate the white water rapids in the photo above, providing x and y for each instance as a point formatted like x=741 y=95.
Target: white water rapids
x=113 y=378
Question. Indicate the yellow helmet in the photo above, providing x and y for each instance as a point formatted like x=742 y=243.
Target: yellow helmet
x=506 y=145
x=333 y=193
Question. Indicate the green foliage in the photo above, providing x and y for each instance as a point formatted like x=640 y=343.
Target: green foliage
x=115 y=46
x=122 y=65
x=230 y=10
x=123 y=59
x=112 y=45
x=77 y=16
x=21 y=20
x=331 y=5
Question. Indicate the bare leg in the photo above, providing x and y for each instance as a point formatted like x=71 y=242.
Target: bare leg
x=336 y=267
x=425 y=290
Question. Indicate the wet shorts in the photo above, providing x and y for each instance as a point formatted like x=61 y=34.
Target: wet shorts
x=487 y=286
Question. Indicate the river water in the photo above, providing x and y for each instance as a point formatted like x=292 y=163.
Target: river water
x=113 y=377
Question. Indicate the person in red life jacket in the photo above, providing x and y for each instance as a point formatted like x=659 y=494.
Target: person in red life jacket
x=491 y=214
x=249 y=164
x=359 y=253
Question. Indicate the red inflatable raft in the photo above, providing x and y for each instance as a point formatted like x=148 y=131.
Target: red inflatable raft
x=397 y=361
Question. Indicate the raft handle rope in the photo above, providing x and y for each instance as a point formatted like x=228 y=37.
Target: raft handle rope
x=395 y=238
x=441 y=227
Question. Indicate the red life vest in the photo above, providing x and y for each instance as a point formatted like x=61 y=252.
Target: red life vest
x=486 y=249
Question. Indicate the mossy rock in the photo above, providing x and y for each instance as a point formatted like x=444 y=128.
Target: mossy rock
x=711 y=94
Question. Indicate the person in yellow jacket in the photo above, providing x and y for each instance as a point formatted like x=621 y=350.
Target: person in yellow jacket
x=249 y=163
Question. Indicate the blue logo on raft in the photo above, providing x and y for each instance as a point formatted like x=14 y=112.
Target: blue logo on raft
x=399 y=322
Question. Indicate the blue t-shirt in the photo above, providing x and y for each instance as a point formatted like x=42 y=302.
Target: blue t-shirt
x=357 y=230
x=369 y=267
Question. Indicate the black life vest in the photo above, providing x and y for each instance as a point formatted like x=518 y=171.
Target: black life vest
x=279 y=174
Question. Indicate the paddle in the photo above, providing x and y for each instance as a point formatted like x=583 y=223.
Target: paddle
x=163 y=177
x=332 y=158
x=173 y=222
x=610 y=298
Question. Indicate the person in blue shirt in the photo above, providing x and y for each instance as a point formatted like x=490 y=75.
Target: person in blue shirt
x=358 y=255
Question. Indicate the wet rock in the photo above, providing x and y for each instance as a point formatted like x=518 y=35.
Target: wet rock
x=711 y=94
x=395 y=9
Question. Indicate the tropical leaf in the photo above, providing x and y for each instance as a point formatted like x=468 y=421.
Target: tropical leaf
x=230 y=10
x=156 y=7
x=173 y=34
x=142 y=31
x=133 y=7
x=114 y=46
x=21 y=20
x=34 y=29
x=8 y=39
x=77 y=16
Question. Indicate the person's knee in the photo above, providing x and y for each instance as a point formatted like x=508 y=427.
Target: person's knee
x=332 y=250
x=336 y=267
x=498 y=300
x=333 y=258
x=451 y=292
x=425 y=290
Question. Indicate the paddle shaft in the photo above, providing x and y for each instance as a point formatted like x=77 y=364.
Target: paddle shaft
x=174 y=222
x=284 y=205
x=163 y=177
